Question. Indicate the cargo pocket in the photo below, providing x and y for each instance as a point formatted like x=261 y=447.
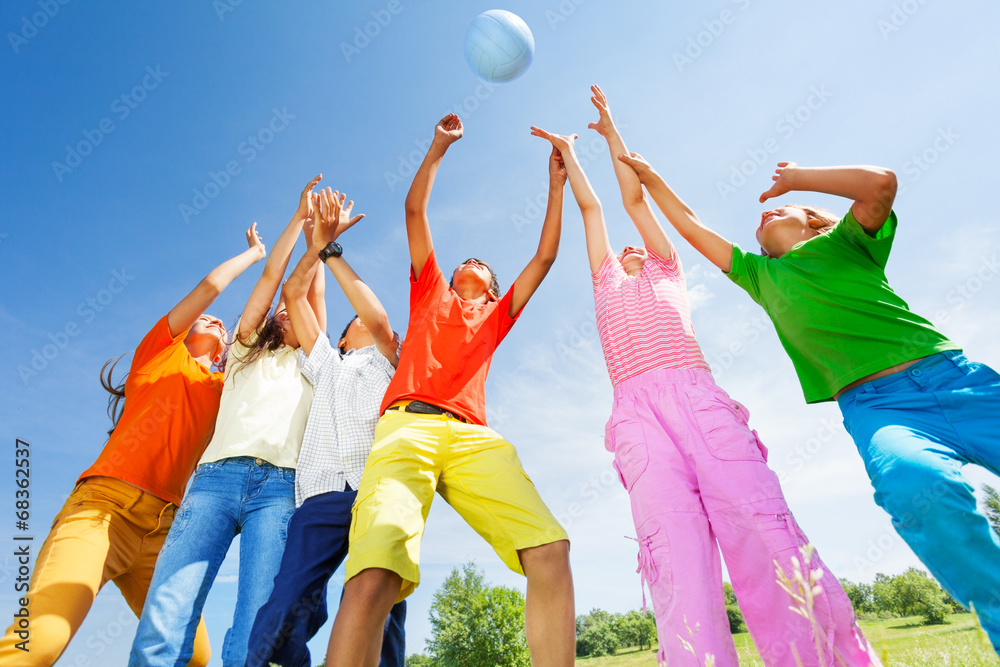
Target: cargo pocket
x=631 y=452
x=724 y=425
x=654 y=567
x=778 y=531
x=362 y=514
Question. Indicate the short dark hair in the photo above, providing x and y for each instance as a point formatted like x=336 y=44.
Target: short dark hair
x=344 y=333
x=494 y=285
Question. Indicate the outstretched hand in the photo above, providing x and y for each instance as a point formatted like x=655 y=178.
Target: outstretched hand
x=782 y=181
x=448 y=130
x=637 y=162
x=561 y=142
x=604 y=124
x=255 y=242
x=305 y=209
x=332 y=217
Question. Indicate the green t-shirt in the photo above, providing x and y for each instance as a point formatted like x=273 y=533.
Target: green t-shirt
x=833 y=309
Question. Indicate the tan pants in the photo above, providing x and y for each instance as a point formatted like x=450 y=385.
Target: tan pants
x=108 y=530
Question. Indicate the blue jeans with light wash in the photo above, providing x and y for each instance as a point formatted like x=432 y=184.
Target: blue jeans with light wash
x=915 y=430
x=236 y=496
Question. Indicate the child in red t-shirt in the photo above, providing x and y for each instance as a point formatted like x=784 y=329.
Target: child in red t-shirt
x=433 y=435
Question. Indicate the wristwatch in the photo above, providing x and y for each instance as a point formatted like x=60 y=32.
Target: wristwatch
x=332 y=249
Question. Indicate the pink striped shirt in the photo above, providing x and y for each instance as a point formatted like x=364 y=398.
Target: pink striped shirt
x=645 y=321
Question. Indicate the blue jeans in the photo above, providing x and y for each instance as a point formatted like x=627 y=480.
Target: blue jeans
x=237 y=496
x=317 y=544
x=915 y=430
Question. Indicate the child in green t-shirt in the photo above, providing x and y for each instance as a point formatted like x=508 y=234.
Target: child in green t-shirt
x=917 y=409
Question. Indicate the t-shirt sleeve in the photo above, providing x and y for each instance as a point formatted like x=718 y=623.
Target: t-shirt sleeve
x=430 y=281
x=745 y=271
x=610 y=266
x=670 y=266
x=502 y=313
x=154 y=342
x=876 y=246
x=322 y=357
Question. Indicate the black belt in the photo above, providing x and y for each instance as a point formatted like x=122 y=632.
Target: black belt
x=421 y=408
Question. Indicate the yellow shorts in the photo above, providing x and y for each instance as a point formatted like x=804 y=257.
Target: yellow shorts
x=476 y=471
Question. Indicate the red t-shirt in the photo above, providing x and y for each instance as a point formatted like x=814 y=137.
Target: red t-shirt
x=171 y=402
x=449 y=345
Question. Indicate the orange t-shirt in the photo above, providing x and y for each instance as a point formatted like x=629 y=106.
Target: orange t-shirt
x=171 y=402
x=449 y=345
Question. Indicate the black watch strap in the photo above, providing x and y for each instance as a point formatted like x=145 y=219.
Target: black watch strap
x=332 y=249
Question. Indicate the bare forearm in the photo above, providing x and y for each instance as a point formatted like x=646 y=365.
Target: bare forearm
x=300 y=282
x=365 y=304
x=183 y=315
x=419 y=193
x=628 y=180
x=710 y=244
x=548 y=243
x=860 y=183
x=219 y=278
x=316 y=296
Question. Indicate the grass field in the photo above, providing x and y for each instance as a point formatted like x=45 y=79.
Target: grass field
x=900 y=642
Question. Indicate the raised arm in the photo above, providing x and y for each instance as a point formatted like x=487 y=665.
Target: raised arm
x=595 y=231
x=274 y=268
x=316 y=294
x=873 y=189
x=183 y=315
x=304 y=290
x=330 y=215
x=418 y=229
x=714 y=247
x=633 y=198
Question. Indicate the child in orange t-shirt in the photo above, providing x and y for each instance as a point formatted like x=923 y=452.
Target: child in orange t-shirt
x=116 y=519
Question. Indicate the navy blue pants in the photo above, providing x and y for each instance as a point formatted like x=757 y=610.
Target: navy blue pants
x=315 y=548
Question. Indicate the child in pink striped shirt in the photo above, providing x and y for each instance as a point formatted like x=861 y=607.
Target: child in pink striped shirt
x=696 y=473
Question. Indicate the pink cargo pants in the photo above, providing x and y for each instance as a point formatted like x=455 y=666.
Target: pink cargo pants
x=697 y=476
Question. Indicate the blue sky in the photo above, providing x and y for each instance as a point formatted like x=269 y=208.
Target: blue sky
x=96 y=249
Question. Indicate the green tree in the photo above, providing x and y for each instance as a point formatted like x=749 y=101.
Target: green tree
x=598 y=639
x=861 y=596
x=992 y=506
x=918 y=594
x=885 y=597
x=477 y=625
x=733 y=612
x=418 y=660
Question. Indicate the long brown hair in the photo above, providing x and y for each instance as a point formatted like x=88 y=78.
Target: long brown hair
x=267 y=338
x=116 y=400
